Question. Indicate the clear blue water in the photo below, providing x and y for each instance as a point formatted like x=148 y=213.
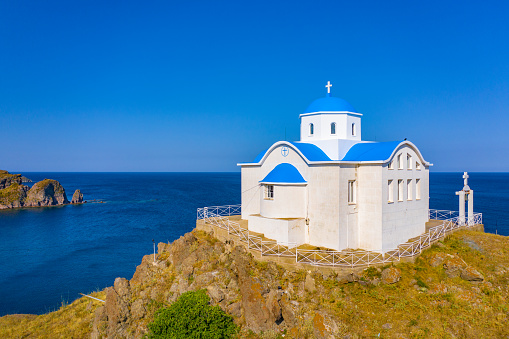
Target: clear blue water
x=49 y=255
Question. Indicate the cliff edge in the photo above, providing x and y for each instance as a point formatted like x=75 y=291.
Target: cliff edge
x=456 y=288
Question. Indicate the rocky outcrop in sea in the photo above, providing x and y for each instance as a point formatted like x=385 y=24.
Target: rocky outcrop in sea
x=47 y=192
x=77 y=197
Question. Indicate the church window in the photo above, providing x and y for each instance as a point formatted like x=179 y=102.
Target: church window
x=409 y=161
x=417 y=189
x=400 y=163
x=417 y=165
x=391 y=191
x=351 y=192
x=311 y=129
x=333 y=128
x=353 y=130
x=409 y=192
x=269 y=192
x=391 y=164
x=400 y=190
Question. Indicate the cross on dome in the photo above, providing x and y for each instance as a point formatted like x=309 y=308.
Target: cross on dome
x=329 y=85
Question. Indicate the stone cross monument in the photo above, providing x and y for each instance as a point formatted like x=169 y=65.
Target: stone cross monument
x=466 y=194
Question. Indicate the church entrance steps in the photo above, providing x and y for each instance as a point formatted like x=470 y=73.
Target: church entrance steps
x=227 y=224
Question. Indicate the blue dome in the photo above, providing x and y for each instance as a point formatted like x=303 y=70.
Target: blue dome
x=329 y=104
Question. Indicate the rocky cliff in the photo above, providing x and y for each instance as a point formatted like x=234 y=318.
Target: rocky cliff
x=47 y=192
x=13 y=196
x=7 y=179
x=455 y=289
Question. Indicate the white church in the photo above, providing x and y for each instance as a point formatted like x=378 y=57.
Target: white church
x=334 y=190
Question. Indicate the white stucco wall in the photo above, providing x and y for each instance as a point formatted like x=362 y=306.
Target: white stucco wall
x=285 y=231
x=322 y=126
x=323 y=206
x=404 y=219
x=289 y=202
x=369 y=193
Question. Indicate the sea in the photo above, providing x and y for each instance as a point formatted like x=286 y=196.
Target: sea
x=49 y=255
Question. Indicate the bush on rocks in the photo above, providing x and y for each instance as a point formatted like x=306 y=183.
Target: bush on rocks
x=191 y=316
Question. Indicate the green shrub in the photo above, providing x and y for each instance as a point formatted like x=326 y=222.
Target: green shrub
x=421 y=283
x=191 y=316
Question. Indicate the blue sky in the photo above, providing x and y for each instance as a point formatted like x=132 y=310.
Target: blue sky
x=201 y=86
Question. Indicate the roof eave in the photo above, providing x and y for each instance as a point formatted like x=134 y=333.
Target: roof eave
x=283 y=183
x=329 y=112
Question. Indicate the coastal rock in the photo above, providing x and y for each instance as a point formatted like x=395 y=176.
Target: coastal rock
x=453 y=266
x=118 y=307
x=391 y=275
x=77 y=197
x=25 y=179
x=13 y=196
x=257 y=316
x=470 y=274
x=7 y=179
x=310 y=284
x=438 y=259
x=215 y=293
x=47 y=192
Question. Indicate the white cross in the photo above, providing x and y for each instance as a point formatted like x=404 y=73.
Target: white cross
x=329 y=85
x=465 y=178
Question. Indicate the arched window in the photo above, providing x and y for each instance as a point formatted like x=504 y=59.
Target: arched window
x=353 y=129
x=333 y=128
x=311 y=129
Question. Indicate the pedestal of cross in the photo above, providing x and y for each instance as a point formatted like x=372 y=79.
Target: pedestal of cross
x=466 y=194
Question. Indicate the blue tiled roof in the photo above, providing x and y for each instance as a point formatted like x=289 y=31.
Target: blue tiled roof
x=371 y=151
x=260 y=156
x=311 y=152
x=329 y=104
x=284 y=173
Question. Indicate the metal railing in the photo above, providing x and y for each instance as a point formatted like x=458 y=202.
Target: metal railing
x=218 y=216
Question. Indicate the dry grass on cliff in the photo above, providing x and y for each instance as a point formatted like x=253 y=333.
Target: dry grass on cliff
x=70 y=321
x=425 y=303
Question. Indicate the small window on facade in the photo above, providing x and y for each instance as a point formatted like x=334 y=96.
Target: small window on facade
x=353 y=129
x=390 y=186
x=417 y=165
x=409 y=192
x=269 y=191
x=311 y=129
x=400 y=190
x=351 y=192
x=333 y=128
x=400 y=163
x=391 y=164
x=417 y=189
x=409 y=161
